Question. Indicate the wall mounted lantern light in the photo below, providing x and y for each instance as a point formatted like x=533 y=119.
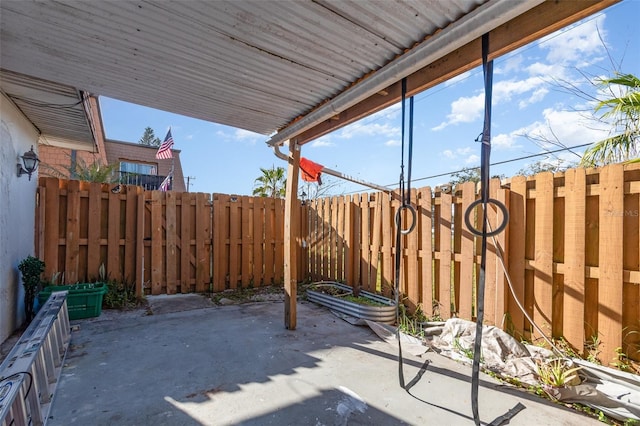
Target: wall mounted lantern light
x=29 y=164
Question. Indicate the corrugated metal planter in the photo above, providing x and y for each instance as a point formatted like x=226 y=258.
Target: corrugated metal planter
x=384 y=314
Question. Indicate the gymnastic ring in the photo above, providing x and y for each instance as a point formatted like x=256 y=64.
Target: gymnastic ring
x=413 y=219
x=499 y=229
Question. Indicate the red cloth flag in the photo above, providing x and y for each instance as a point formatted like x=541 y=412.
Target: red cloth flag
x=164 y=151
x=311 y=171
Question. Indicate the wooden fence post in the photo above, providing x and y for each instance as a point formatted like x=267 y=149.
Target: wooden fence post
x=291 y=237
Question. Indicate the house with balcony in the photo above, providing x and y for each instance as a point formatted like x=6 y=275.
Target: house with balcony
x=138 y=165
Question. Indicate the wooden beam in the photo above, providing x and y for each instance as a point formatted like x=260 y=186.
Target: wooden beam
x=291 y=237
x=538 y=22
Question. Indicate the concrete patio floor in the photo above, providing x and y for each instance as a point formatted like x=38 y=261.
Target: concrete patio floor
x=238 y=365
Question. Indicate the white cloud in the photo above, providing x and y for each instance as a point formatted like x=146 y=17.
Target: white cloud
x=459 y=152
x=567 y=127
x=472 y=159
x=392 y=142
x=247 y=135
x=537 y=96
x=469 y=109
x=463 y=110
x=370 y=129
x=510 y=65
x=322 y=142
x=578 y=44
x=505 y=141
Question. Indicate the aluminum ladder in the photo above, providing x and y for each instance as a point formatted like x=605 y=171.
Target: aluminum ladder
x=30 y=373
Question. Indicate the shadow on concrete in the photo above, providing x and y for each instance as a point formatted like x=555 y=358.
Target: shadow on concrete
x=237 y=364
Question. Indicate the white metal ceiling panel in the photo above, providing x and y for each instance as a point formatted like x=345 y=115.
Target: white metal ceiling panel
x=255 y=64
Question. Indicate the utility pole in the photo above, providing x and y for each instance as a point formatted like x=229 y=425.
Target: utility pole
x=189 y=179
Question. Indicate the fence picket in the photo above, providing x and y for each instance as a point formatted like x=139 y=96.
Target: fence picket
x=340 y=239
x=186 y=256
x=157 y=238
x=258 y=241
x=130 y=218
x=543 y=261
x=204 y=227
x=467 y=261
x=269 y=241
x=574 y=235
x=278 y=274
x=170 y=241
x=425 y=226
x=388 y=243
x=411 y=258
x=94 y=226
x=490 y=273
x=516 y=249
x=72 y=231
x=610 y=288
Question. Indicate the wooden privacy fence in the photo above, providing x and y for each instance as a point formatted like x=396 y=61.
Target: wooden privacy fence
x=164 y=242
x=571 y=249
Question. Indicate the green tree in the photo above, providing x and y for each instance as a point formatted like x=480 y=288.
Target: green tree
x=149 y=138
x=469 y=175
x=545 y=166
x=465 y=175
x=271 y=183
x=622 y=109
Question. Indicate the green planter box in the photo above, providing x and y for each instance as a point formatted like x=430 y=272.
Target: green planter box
x=83 y=300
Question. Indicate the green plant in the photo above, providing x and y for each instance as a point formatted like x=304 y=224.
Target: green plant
x=558 y=372
x=120 y=295
x=411 y=324
x=84 y=170
x=622 y=362
x=31 y=269
x=592 y=348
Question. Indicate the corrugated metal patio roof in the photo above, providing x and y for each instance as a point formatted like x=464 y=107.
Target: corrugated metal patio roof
x=252 y=64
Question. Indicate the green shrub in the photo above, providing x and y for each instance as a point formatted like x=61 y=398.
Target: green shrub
x=31 y=269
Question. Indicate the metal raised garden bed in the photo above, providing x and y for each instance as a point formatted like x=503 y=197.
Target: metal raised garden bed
x=385 y=313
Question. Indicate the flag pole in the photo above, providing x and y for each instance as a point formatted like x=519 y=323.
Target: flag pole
x=172 y=166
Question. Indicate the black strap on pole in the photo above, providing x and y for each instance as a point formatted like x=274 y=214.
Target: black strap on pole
x=487 y=67
x=398 y=254
x=405 y=194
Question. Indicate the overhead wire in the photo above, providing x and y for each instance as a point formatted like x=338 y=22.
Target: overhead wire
x=497 y=163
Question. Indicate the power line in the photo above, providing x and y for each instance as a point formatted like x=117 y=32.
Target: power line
x=497 y=163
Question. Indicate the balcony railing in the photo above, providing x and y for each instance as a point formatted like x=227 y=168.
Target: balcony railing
x=148 y=182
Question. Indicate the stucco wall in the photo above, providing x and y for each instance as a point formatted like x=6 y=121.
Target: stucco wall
x=17 y=213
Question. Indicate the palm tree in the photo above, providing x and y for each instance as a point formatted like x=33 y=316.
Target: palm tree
x=624 y=111
x=271 y=183
x=80 y=169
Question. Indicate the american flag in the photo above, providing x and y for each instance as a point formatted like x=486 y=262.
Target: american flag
x=164 y=186
x=164 y=151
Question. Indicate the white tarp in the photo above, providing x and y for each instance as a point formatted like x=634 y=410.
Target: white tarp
x=614 y=392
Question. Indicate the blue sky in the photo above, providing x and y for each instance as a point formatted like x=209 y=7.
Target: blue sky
x=527 y=100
